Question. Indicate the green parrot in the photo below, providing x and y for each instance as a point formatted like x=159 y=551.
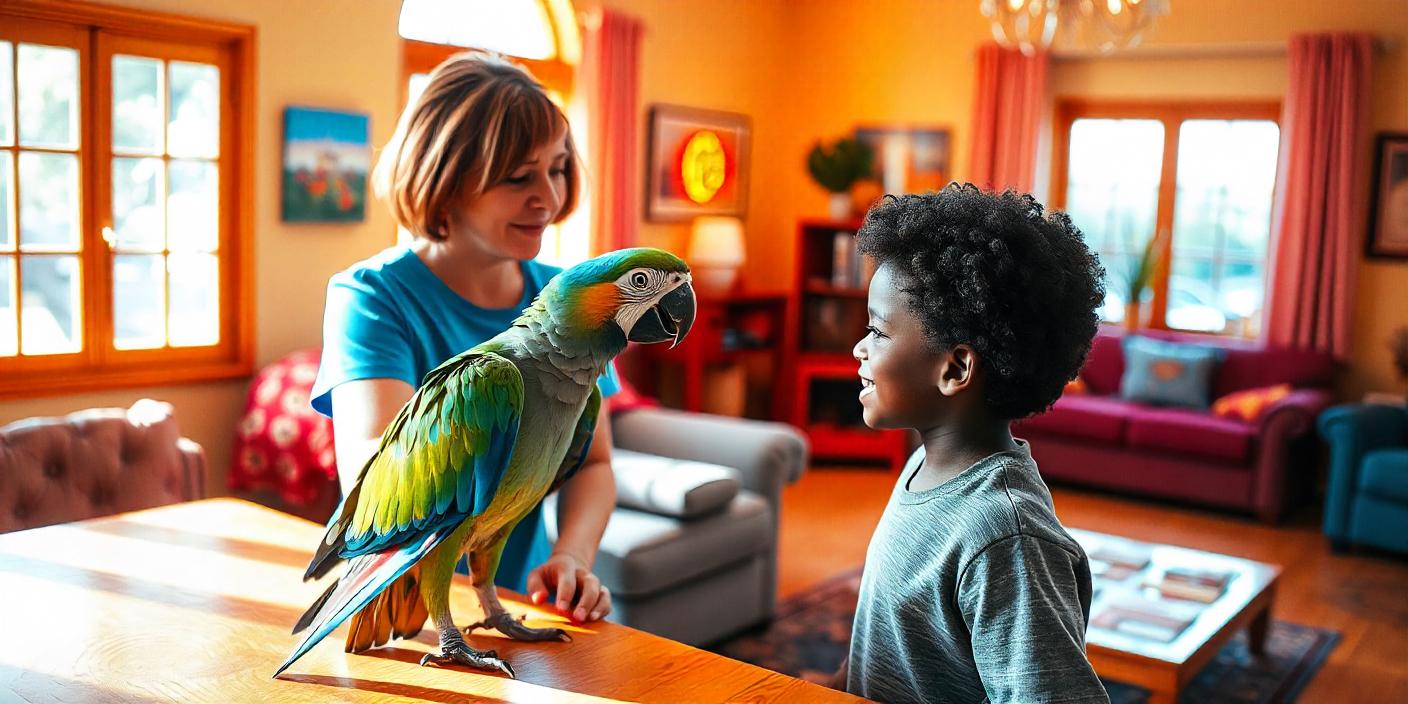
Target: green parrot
x=489 y=433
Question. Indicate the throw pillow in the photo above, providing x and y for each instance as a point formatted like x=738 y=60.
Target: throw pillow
x=672 y=487
x=1249 y=404
x=1076 y=387
x=1168 y=373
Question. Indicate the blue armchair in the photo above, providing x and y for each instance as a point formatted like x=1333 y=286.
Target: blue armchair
x=1367 y=498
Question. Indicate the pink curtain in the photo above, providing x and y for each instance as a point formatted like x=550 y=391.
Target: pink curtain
x=1010 y=99
x=1315 y=218
x=609 y=77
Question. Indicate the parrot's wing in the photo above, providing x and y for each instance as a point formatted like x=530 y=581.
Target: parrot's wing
x=440 y=460
x=581 y=440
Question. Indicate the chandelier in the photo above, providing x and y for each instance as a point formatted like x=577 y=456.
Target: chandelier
x=1102 y=25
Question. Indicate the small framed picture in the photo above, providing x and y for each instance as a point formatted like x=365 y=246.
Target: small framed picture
x=1388 y=213
x=696 y=164
x=907 y=159
x=327 y=155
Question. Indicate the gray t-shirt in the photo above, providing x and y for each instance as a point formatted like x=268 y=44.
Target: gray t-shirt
x=973 y=592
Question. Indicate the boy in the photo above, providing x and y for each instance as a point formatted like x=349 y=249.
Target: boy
x=981 y=310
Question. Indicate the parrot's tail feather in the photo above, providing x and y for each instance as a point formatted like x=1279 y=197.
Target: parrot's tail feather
x=312 y=612
x=366 y=577
x=397 y=612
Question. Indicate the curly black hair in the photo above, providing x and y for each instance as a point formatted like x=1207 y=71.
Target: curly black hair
x=994 y=271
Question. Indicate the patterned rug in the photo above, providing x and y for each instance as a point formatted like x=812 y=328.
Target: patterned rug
x=809 y=637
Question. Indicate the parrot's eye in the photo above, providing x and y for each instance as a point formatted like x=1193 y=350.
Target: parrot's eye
x=640 y=280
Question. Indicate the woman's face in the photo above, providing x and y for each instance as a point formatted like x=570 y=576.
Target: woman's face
x=509 y=218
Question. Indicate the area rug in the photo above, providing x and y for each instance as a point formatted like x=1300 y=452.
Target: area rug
x=810 y=634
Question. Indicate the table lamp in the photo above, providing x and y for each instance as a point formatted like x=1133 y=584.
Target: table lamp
x=715 y=253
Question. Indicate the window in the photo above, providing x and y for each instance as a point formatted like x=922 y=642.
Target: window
x=543 y=37
x=123 y=258
x=1202 y=175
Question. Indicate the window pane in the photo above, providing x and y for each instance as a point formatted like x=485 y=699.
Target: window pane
x=415 y=86
x=7 y=94
x=195 y=110
x=49 y=201
x=7 y=200
x=514 y=27
x=50 y=317
x=139 y=301
x=1112 y=194
x=136 y=105
x=1222 y=223
x=195 y=300
x=9 y=334
x=48 y=94
x=193 y=206
x=136 y=203
x=1192 y=296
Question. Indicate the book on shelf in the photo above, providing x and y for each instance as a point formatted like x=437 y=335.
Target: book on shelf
x=1191 y=584
x=1147 y=619
x=849 y=268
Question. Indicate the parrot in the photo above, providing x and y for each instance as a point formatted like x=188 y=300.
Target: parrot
x=489 y=433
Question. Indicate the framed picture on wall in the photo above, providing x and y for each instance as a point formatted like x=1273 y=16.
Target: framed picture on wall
x=696 y=163
x=1388 y=214
x=908 y=159
x=327 y=155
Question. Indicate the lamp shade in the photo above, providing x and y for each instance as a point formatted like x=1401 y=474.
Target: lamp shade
x=716 y=242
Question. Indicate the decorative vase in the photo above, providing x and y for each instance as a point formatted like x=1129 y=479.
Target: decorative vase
x=840 y=206
x=1131 y=316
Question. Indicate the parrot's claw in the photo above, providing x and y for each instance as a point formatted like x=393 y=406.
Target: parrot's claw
x=461 y=654
x=511 y=626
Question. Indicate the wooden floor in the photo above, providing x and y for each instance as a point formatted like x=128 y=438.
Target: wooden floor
x=828 y=516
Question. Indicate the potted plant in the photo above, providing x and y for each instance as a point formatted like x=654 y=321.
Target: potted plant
x=1141 y=273
x=837 y=168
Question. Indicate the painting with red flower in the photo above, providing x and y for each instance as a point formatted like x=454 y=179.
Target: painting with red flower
x=327 y=155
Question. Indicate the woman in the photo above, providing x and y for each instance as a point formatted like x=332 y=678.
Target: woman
x=480 y=164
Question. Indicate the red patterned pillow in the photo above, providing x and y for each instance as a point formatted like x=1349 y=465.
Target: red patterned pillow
x=281 y=442
x=1249 y=404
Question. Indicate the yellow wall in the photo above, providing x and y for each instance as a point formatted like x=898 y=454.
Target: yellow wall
x=722 y=55
x=323 y=53
x=801 y=70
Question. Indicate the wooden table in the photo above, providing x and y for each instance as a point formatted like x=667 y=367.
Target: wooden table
x=1164 y=668
x=194 y=602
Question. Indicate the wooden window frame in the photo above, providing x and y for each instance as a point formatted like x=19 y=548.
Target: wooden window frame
x=1171 y=113
x=99 y=365
x=423 y=57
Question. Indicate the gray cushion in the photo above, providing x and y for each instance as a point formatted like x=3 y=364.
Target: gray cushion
x=672 y=487
x=642 y=553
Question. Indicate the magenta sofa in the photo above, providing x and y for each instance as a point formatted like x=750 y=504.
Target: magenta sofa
x=1099 y=439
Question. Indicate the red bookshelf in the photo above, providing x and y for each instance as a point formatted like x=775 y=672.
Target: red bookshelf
x=827 y=316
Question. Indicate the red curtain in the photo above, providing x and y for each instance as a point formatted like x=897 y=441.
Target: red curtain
x=1010 y=98
x=609 y=77
x=1316 y=217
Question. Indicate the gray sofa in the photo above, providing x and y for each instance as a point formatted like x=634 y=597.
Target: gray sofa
x=684 y=569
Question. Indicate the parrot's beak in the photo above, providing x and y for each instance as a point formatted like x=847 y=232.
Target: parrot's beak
x=670 y=319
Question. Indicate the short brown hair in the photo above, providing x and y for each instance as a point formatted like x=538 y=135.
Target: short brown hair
x=478 y=119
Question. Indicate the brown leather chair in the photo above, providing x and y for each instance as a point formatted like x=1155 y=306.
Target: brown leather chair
x=95 y=463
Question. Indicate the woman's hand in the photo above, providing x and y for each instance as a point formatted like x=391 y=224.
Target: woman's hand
x=578 y=592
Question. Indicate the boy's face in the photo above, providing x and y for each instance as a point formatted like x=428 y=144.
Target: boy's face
x=899 y=373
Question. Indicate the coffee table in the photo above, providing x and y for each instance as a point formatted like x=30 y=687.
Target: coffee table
x=1127 y=651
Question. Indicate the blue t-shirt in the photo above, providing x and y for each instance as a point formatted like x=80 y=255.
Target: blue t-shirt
x=391 y=317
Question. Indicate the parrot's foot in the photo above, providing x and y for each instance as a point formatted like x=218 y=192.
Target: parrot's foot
x=454 y=651
x=506 y=624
